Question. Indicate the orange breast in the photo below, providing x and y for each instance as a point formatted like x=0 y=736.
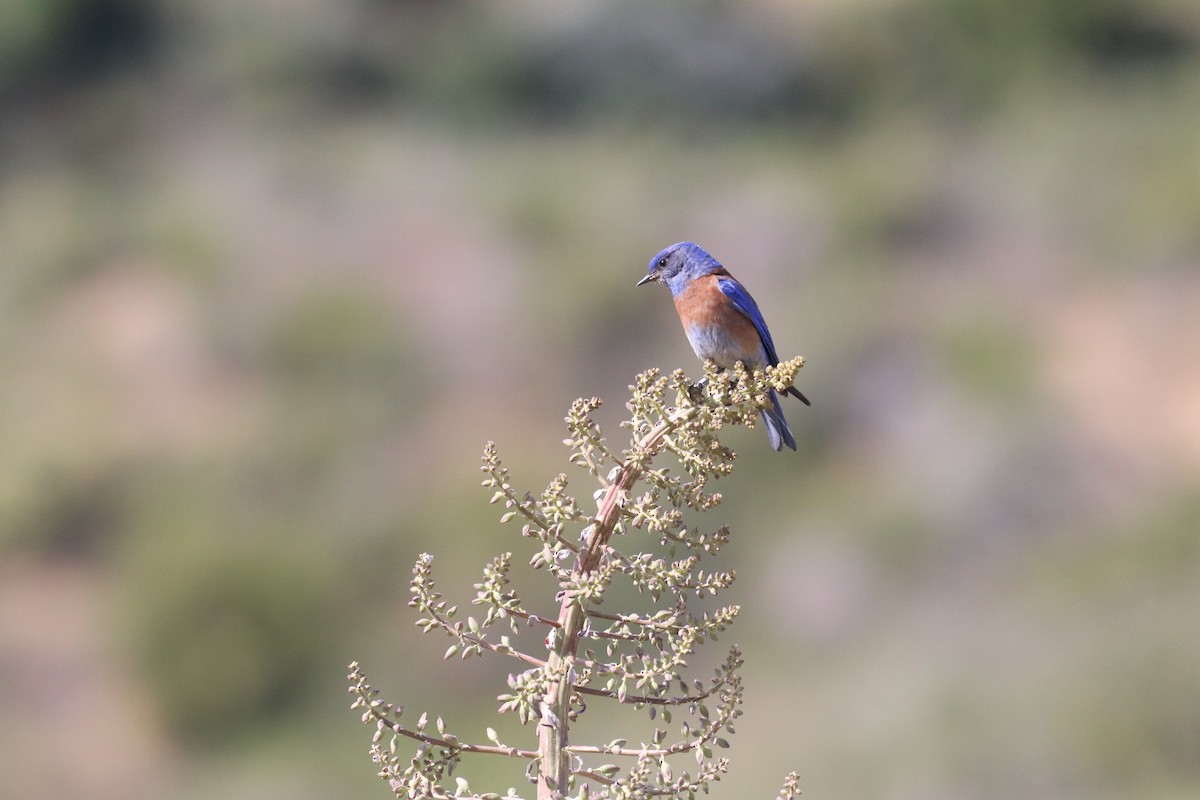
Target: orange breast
x=715 y=327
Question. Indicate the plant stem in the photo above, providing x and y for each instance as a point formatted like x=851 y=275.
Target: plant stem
x=554 y=770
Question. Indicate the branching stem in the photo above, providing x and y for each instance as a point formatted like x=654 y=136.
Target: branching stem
x=589 y=653
x=554 y=770
x=385 y=723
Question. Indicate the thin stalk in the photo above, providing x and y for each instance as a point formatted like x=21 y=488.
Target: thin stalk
x=554 y=770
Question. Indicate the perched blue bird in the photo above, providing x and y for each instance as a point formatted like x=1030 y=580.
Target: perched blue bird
x=721 y=320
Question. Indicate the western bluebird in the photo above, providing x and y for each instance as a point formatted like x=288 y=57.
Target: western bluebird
x=721 y=320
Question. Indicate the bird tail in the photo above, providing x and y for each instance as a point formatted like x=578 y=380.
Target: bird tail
x=777 y=427
x=794 y=392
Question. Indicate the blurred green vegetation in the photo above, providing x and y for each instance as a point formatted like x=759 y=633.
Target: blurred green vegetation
x=274 y=273
x=231 y=637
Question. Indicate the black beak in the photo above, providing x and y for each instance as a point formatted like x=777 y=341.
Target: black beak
x=647 y=279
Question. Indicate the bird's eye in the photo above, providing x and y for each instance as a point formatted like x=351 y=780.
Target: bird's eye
x=662 y=262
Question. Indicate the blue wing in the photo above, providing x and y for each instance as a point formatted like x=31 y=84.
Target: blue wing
x=744 y=303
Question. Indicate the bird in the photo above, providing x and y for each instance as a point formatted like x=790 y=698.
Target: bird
x=721 y=320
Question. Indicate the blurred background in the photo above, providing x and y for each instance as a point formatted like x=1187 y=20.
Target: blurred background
x=272 y=273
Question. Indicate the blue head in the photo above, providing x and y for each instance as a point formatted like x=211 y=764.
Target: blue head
x=678 y=265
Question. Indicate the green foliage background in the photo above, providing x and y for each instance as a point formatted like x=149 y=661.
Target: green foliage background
x=273 y=273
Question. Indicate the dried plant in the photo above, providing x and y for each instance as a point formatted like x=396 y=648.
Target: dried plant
x=636 y=658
